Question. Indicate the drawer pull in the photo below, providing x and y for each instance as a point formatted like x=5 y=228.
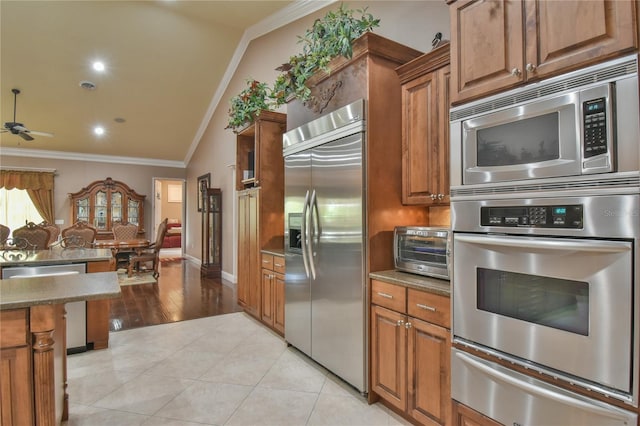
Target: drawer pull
x=385 y=295
x=265 y=261
x=425 y=307
x=278 y=265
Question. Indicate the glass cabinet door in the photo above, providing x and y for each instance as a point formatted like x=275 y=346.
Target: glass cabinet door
x=212 y=233
x=116 y=207
x=100 y=212
x=133 y=211
x=82 y=209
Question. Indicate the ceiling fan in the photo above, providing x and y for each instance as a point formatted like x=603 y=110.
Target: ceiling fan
x=18 y=128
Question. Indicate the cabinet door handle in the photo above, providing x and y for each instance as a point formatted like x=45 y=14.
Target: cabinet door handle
x=531 y=68
x=516 y=72
x=400 y=323
x=407 y=325
x=385 y=295
x=433 y=197
x=440 y=197
x=425 y=307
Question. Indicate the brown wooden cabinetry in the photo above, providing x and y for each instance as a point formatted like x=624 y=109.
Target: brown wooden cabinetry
x=105 y=202
x=272 y=313
x=465 y=416
x=248 y=251
x=260 y=202
x=498 y=44
x=425 y=128
x=410 y=351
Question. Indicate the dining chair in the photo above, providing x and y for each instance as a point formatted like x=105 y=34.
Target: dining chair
x=80 y=234
x=125 y=231
x=54 y=231
x=36 y=236
x=151 y=254
x=4 y=233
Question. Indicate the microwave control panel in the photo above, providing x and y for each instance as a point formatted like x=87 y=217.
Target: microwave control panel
x=594 y=116
x=557 y=216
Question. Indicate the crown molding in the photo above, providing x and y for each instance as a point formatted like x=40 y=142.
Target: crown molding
x=76 y=156
x=296 y=10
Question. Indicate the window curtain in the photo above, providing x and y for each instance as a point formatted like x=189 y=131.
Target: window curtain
x=39 y=186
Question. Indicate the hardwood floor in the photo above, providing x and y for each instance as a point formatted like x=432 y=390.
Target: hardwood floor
x=180 y=294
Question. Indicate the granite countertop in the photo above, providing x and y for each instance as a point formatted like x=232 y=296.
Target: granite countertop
x=432 y=285
x=24 y=292
x=52 y=256
x=273 y=251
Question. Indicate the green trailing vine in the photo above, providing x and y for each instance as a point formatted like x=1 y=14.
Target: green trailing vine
x=328 y=38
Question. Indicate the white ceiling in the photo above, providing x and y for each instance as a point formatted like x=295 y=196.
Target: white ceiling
x=167 y=65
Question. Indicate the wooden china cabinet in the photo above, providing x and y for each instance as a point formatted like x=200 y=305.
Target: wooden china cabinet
x=496 y=45
x=105 y=202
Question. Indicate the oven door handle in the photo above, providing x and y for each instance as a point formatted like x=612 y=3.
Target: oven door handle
x=543 y=390
x=546 y=243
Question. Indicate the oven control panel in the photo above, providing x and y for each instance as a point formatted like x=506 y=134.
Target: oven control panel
x=556 y=216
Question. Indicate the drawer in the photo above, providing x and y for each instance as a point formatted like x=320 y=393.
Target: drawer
x=278 y=264
x=267 y=261
x=429 y=307
x=13 y=328
x=390 y=296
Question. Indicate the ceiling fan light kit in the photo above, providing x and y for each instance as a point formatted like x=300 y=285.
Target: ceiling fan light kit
x=18 y=128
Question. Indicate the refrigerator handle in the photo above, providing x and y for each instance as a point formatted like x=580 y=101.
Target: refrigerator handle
x=312 y=204
x=303 y=232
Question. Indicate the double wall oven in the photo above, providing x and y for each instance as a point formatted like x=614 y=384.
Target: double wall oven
x=545 y=214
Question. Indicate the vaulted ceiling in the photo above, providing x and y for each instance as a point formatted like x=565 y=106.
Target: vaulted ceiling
x=166 y=65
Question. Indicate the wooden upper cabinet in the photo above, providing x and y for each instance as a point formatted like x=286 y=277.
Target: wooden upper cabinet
x=425 y=128
x=499 y=44
x=487 y=42
x=105 y=202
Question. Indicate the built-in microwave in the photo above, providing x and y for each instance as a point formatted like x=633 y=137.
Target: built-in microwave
x=582 y=123
x=422 y=250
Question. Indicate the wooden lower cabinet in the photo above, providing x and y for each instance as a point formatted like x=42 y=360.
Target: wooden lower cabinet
x=465 y=416
x=33 y=366
x=272 y=312
x=410 y=357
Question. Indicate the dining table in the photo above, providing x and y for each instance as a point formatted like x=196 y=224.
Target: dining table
x=116 y=246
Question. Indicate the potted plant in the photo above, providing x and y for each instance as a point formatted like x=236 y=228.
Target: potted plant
x=328 y=38
x=246 y=106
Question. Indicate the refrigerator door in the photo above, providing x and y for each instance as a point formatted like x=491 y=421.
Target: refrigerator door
x=336 y=255
x=297 y=327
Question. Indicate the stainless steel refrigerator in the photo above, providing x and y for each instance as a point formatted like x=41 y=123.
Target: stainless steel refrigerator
x=325 y=286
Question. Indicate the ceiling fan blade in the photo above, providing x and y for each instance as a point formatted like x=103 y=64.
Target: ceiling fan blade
x=25 y=136
x=19 y=127
x=47 y=134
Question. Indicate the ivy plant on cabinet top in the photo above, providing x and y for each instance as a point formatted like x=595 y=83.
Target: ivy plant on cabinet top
x=328 y=38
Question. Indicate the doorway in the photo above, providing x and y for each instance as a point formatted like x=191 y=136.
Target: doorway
x=168 y=201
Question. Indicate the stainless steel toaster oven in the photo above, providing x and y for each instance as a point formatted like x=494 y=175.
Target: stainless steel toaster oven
x=422 y=250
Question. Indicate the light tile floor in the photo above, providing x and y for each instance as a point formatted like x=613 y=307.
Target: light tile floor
x=221 y=370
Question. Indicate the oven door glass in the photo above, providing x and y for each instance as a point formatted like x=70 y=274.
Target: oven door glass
x=565 y=304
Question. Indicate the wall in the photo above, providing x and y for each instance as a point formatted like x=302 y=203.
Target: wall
x=72 y=176
x=413 y=23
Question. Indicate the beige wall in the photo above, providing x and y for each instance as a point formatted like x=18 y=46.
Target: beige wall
x=72 y=176
x=412 y=23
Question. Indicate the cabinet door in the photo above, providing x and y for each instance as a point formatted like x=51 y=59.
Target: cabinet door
x=267 y=297
x=278 y=295
x=487 y=47
x=389 y=356
x=243 y=244
x=563 y=35
x=16 y=397
x=429 y=366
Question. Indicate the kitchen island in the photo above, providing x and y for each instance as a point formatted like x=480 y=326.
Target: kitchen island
x=33 y=343
x=96 y=260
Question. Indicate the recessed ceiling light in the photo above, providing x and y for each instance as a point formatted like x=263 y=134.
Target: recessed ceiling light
x=98 y=130
x=98 y=66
